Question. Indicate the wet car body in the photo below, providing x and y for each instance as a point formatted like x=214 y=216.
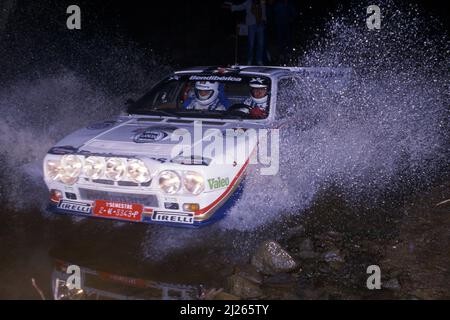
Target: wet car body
x=126 y=168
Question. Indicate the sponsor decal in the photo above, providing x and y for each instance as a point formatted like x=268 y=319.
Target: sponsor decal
x=186 y=218
x=216 y=183
x=258 y=80
x=215 y=78
x=75 y=206
x=101 y=125
x=150 y=135
x=119 y=210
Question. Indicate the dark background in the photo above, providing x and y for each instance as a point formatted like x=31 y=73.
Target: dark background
x=194 y=32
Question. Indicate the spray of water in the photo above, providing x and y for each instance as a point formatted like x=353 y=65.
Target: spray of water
x=36 y=114
x=40 y=110
x=387 y=132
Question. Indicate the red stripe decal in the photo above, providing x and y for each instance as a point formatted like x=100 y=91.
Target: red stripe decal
x=206 y=209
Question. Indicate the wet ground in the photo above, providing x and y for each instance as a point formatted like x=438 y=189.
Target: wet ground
x=409 y=239
x=409 y=242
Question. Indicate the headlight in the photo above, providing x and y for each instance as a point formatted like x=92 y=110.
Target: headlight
x=138 y=171
x=115 y=168
x=169 y=182
x=71 y=166
x=53 y=169
x=194 y=182
x=94 y=167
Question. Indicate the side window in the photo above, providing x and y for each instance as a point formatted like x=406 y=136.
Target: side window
x=287 y=98
x=165 y=96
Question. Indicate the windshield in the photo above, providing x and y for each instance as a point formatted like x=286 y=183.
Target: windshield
x=208 y=96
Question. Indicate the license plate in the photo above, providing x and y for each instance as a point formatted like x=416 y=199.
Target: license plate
x=118 y=210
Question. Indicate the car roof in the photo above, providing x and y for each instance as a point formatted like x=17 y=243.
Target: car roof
x=273 y=72
x=270 y=71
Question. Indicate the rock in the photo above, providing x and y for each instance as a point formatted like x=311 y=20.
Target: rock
x=336 y=265
x=243 y=288
x=333 y=256
x=306 y=250
x=306 y=245
x=334 y=235
x=249 y=272
x=328 y=240
x=334 y=259
x=271 y=258
x=391 y=284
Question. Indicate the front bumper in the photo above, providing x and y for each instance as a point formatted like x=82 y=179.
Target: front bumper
x=154 y=215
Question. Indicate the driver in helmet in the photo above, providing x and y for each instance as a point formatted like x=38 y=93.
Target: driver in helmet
x=259 y=98
x=207 y=97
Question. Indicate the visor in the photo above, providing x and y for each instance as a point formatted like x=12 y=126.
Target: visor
x=261 y=89
x=206 y=94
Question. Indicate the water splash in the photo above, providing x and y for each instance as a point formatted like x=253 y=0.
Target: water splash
x=38 y=112
x=386 y=133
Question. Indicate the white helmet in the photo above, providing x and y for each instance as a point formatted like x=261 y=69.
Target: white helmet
x=212 y=87
x=258 y=83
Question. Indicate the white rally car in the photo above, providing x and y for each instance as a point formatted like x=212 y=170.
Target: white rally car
x=153 y=164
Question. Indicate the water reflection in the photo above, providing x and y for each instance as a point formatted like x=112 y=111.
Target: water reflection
x=116 y=260
x=102 y=285
x=129 y=261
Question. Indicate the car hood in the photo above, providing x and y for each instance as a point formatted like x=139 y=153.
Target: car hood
x=154 y=137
